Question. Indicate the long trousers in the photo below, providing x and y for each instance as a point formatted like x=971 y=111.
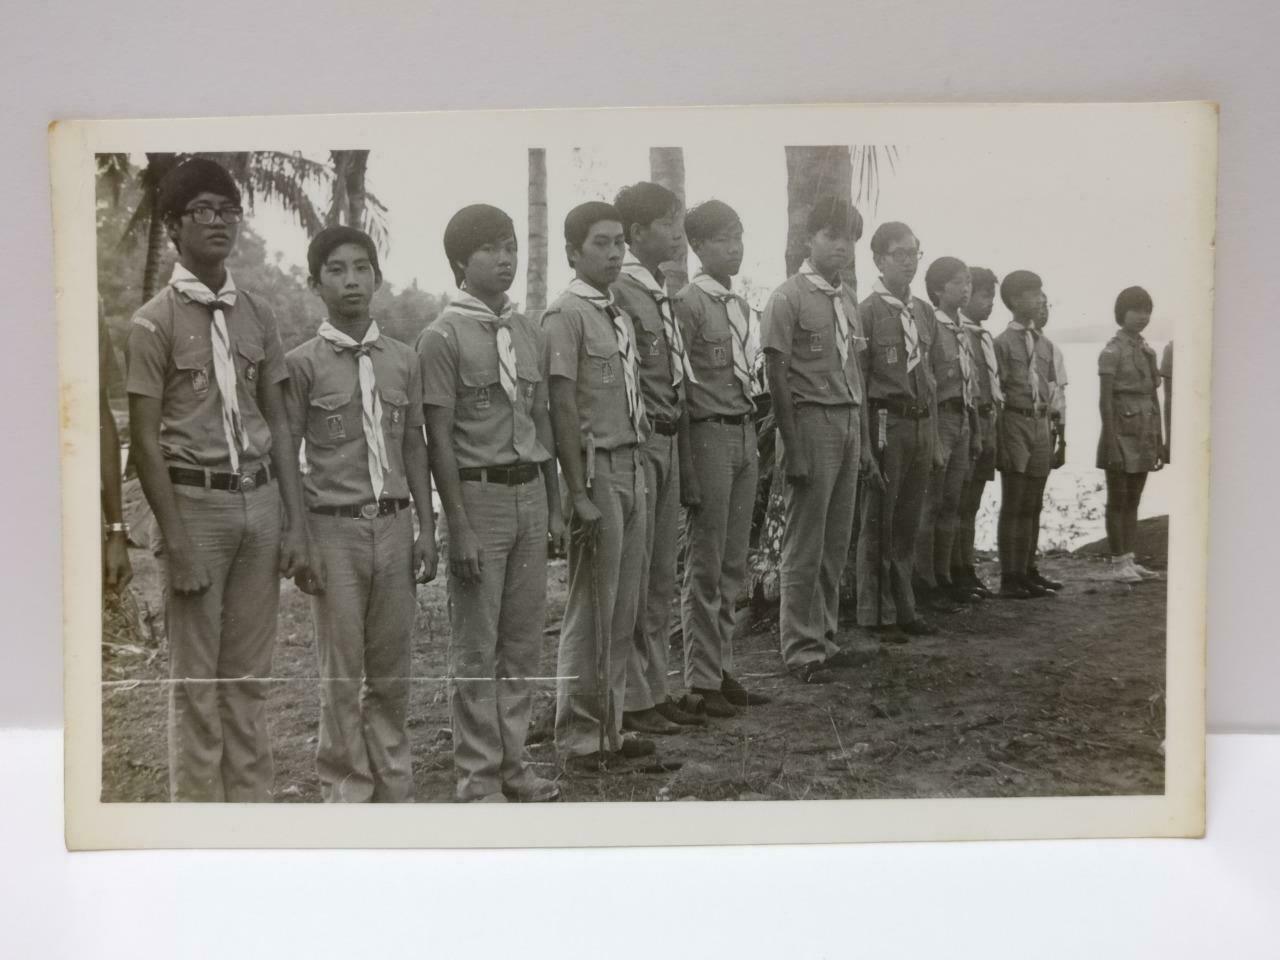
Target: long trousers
x=942 y=501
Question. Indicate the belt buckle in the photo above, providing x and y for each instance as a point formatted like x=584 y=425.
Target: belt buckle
x=369 y=511
x=247 y=483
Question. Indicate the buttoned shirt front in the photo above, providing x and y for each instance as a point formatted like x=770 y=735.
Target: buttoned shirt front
x=799 y=323
x=704 y=322
x=653 y=355
x=1015 y=367
x=886 y=358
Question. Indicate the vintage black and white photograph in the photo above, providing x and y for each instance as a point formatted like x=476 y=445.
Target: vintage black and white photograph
x=702 y=462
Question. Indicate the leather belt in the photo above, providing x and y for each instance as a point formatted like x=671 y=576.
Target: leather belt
x=955 y=404
x=511 y=475
x=233 y=482
x=364 y=511
x=736 y=420
x=986 y=409
x=1027 y=411
x=665 y=428
x=901 y=408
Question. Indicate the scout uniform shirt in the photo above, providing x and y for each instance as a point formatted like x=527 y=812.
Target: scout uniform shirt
x=642 y=298
x=325 y=408
x=800 y=324
x=1131 y=363
x=170 y=358
x=898 y=370
x=708 y=335
x=583 y=344
x=986 y=372
x=460 y=371
x=952 y=363
x=1022 y=389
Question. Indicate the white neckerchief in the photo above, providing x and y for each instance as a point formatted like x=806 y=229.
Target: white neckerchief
x=622 y=333
x=966 y=358
x=224 y=368
x=843 y=328
x=370 y=402
x=910 y=335
x=1029 y=334
x=679 y=362
x=739 y=324
x=988 y=356
x=468 y=306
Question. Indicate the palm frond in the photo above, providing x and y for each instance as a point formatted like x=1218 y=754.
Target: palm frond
x=276 y=185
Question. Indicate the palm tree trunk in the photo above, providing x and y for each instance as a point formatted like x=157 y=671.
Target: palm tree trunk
x=536 y=273
x=666 y=167
x=813 y=172
x=156 y=240
x=357 y=165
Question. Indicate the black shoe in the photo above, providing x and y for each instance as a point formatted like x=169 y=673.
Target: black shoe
x=677 y=714
x=812 y=672
x=889 y=633
x=919 y=627
x=954 y=592
x=1035 y=576
x=648 y=721
x=714 y=703
x=740 y=696
x=1035 y=589
x=841 y=658
x=587 y=763
x=633 y=747
x=1014 y=588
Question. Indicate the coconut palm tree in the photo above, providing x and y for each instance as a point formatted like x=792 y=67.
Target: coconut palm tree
x=535 y=296
x=352 y=204
x=666 y=167
x=268 y=175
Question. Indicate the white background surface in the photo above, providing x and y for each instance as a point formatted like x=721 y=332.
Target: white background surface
x=1044 y=899
x=130 y=58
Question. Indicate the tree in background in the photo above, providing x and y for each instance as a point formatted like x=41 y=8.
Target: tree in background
x=352 y=204
x=536 y=263
x=666 y=167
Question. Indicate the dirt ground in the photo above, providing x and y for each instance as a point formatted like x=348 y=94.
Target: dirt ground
x=1060 y=696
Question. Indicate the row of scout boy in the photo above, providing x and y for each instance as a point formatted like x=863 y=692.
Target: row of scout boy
x=311 y=466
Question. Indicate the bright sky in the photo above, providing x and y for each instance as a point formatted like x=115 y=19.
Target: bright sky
x=1080 y=208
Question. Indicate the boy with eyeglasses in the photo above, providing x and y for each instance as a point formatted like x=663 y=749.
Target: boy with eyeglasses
x=211 y=443
x=813 y=341
x=485 y=391
x=651 y=221
x=355 y=398
x=901 y=333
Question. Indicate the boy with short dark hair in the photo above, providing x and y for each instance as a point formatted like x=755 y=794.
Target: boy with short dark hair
x=355 y=398
x=812 y=341
x=948 y=285
x=988 y=399
x=718 y=480
x=901 y=332
x=485 y=390
x=211 y=444
x=599 y=422
x=1025 y=446
x=651 y=222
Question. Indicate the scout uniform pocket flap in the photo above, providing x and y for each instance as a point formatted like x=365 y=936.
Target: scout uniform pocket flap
x=327 y=419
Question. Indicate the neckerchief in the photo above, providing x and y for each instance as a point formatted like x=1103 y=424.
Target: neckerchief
x=966 y=358
x=910 y=335
x=988 y=357
x=739 y=325
x=224 y=367
x=468 y=306
x=621 y=324
x=843 y=328
x=1030 y=334
x=370 y=402
x=680 y=366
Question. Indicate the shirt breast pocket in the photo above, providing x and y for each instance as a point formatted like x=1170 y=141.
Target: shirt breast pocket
x=332 y=420
x=395 y=405
x=481 y=385
x=603 y=360
x=812 y=338
x=249 y=362
x=194 y=363
x=711 y=348
x=648 y=345
x=887 y=347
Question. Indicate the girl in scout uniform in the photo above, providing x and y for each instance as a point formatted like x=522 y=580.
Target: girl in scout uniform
x=812 y=341
x=988 y=398
x=1025 y=446
x=1131 y=444
x=490 y=432
x=211 y=444
x=718 y=484
x=652 y=223
x=355 y=398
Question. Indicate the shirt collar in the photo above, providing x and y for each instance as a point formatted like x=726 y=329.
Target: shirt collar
x=182 y=273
